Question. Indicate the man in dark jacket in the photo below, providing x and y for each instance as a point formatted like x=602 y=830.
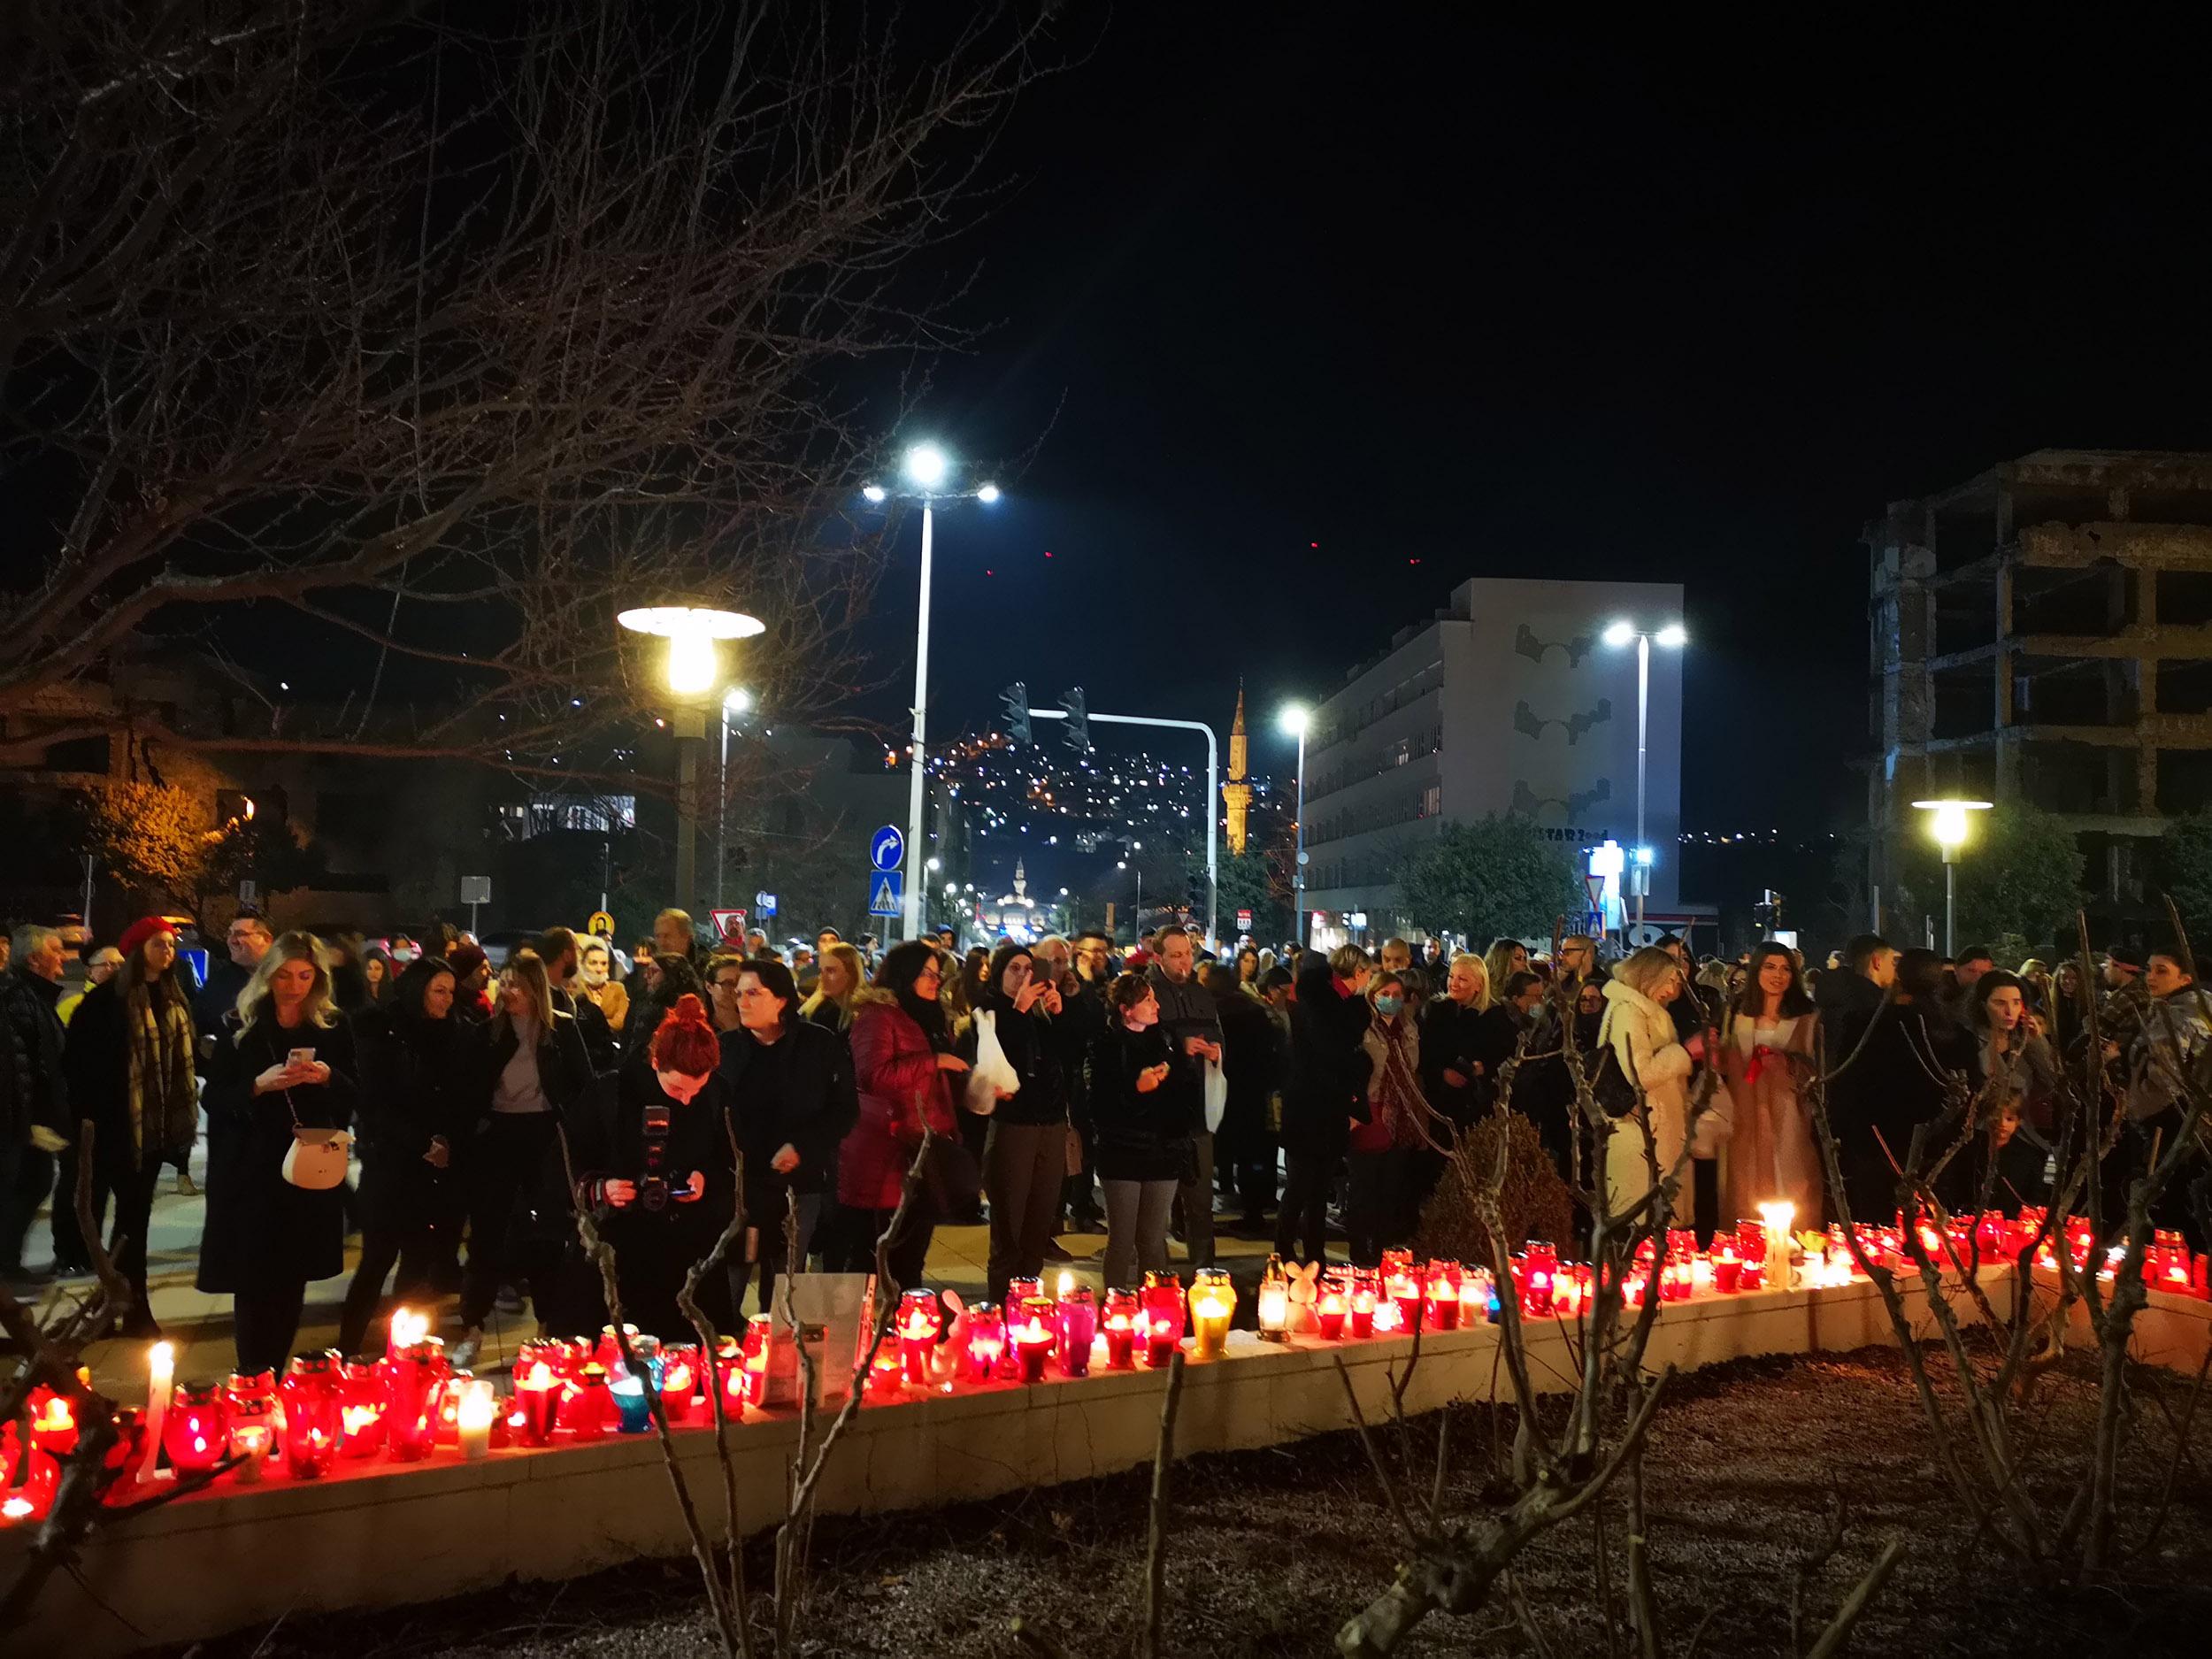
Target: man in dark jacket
x=557 y=946
x=792 y=1101
x=248 y=942
x=34 y=1116
x=1847 y=995
x=1329 y=1074
x=1193 y=1024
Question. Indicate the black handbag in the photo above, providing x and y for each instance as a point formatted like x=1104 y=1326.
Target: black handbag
x=1610 y=1086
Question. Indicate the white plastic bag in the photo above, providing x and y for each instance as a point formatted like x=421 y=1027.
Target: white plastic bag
x=1217 y=1096
x=992 y=1071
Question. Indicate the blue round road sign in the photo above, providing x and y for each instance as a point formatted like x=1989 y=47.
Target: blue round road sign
x=886 y=847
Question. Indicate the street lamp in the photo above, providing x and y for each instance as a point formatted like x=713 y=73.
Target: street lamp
x=1674 y=637
x=1950 y=833
x=692 y=633
x=735 y=702
x=1295 y=720
x=926 y=467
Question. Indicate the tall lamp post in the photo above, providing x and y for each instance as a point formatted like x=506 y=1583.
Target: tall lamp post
x=694 y=664
x=925 y=469
x=736 y=702
x=1673 y=637
x=1295 y=721
x=1950 y=833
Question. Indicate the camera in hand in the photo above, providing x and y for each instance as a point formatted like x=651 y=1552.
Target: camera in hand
x=652 y=1187
x=652 y=1192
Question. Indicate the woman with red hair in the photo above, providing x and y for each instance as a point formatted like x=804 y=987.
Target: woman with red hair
x=664 y=1190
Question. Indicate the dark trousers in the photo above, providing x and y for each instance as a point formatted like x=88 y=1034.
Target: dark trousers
x=774 y=1252
x=414 y=1251
x=1302 y=1227
x=1080 y=1193
x=1379 y=1213
x=265 y=1323
x=133 y=1191
x=1253 y=1175
x=908 y=1248
x=504 y=1163
x=70 y=1253
x=25 y=1181
x=1024 y=1165
x=1195 y=1201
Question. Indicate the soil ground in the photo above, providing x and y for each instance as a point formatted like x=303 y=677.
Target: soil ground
x=1272 y=1550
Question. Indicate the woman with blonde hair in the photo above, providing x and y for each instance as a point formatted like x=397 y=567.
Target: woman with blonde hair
x=1505 y=958
x=283 y=1061
x=1641 y=1032
x=595 y=983
x=531 y=1067
x=842 y=972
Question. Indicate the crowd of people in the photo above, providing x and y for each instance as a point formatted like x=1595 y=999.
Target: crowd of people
x=1047 y=1087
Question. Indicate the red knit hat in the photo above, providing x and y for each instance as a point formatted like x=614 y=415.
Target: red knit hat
x=141 y=930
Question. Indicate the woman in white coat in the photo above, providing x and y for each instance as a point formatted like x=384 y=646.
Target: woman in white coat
x=1641 y=1034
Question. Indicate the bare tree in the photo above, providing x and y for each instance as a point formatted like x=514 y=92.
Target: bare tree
x=433 y=342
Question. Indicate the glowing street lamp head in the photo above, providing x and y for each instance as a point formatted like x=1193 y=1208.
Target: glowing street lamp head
x=875 y=494
x=987 y=494
x=691 y=632
x=737 y=700
x=1295 y=719
x=926 y=465
x=1674 y=635
x=1621 y=632
x=1949 y=826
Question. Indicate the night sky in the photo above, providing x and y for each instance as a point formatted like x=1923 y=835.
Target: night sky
x=1312 y=302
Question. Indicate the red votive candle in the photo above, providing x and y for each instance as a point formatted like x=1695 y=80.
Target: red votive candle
x=1079 y=1328
x=1120 y=1326
x=1033 y=1338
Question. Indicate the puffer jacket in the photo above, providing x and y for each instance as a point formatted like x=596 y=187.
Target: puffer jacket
x=901 y=1085
x=1641 y=1034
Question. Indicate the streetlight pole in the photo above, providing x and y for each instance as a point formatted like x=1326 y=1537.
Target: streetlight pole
x=926 y=467
x=736 y=701
x=1673 y=634
x=1295 y=721
x=1950 y=833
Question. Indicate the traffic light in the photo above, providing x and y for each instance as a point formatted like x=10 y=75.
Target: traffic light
x=1016 y=698
x=1079 y=719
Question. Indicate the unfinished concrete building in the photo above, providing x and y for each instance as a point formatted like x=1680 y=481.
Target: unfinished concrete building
x=2044 y=633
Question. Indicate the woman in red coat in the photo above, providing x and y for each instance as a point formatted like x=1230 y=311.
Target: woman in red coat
x=901 y=1059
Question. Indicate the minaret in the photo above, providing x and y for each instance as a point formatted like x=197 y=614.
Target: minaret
x=1236 y=794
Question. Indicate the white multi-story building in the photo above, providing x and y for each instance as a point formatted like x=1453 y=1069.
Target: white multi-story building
x=1508 y=700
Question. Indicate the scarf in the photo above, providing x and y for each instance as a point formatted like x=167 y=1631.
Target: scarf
x=164 y=1097
x=591 y=979
x=1395 y=1095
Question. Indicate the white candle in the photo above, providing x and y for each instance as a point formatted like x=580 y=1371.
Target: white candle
x=473 y=1420
x=1778 y=1219
x=161 y=1376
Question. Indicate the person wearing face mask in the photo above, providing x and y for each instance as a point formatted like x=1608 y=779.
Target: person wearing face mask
x=1025 y=1156
x=660 y=1180
x=128 y=1063
x=415 y=1107
x=286 y=1060
x=1145 y=1129
x=1382 y=1154
x=1329 y=1074
x=529 y=1069
x=1768 y=1050
x=595 y=983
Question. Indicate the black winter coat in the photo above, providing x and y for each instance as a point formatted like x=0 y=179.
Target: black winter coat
x=1888 y=1091
x=416 y=1084
x=1039 y=1047
x=1140 y=1137
x=796 y=1092
x=563 y=1066
x=1451 y=1040
x=1329 y=1067
x=32 y=1089
x=1252 y=1063
x=96 y=1065
x=263 y=1232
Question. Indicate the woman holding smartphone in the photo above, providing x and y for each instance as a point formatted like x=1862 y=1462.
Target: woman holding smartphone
x=283 y=1060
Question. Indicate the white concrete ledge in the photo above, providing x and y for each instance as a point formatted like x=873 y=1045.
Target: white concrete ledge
x=379 y=1535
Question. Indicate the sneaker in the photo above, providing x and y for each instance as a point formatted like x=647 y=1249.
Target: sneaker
x=509 y=1301
x=185 y=1188
x=462 y=1355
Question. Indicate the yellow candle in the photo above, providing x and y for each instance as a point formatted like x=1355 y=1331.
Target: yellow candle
x=474 y=1420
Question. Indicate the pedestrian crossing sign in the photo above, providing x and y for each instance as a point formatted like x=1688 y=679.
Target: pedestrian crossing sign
x=884 y=888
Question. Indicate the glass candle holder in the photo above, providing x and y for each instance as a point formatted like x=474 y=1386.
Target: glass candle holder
x=480 y=1409
x=53 y=1422
x=1727 y=1268
x=1033 y=1338
x=921 y=1321
x=985 y=1338
x=1270 y=1306
x=1122 y=1313
x=362 y=1399
x=679 y=1382
x=1077 y=1315
x=29 y=1478
x=1330 y=1303
x=760 y=1331
x=1360 y=1305
x=1442 y=1295
x=1213 y=1302
x=538 y=1390
x=607 y=1353
x=590 y=1414
x=1163 y=1303
x=634 y=1411
x=196 y=1432
x=414 y=1384
x=311 y=1394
